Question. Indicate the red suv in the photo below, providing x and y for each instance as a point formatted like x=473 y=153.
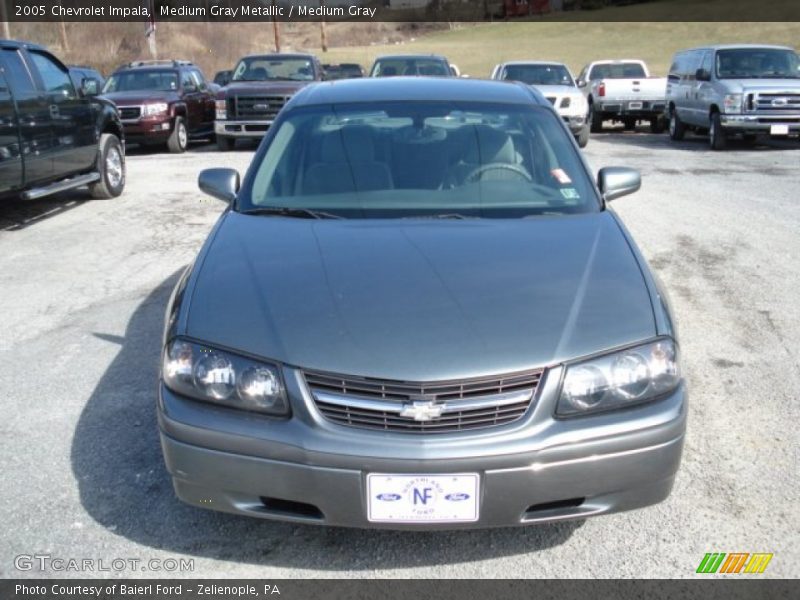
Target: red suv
x=162 y=102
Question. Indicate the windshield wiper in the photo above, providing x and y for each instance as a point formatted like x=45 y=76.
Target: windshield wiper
x=288 y=211
x=441 y=216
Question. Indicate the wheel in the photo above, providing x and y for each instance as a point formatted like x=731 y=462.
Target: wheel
x=595 y=120
x=179 y=138
x=657 y=125
x=225 y=144
x=676 y=127
x=630 y=123
x=111 y=167
x=583 y=137
x=717 y=138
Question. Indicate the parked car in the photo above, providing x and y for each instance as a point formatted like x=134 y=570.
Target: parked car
x=343 y=71
x=556 y=83
x=623 y=91
x=79 y=73
x=412 y=65
x=260 y=86
x=734 y=89
x=418 y=311
x=54 y=136
x=165 y=102
x=223 y=78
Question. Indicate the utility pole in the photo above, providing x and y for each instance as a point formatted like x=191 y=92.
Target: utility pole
x=276 y=30
x=323 y=31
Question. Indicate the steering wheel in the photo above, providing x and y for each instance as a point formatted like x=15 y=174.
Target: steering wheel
x=478 y=173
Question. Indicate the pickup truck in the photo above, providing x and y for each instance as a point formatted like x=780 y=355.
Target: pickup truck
x=54 y=136
x=623 y=91
x=260 y=86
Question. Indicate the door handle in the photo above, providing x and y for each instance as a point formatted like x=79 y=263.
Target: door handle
x=54 y=112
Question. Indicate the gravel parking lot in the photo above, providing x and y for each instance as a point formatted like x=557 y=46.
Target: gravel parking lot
x=84 y=285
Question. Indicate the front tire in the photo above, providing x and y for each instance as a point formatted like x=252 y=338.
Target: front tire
x=583 y=137
x=676 y=127
x=111 y=167
x=717 y=138
x=179 y=138
x=225 y=144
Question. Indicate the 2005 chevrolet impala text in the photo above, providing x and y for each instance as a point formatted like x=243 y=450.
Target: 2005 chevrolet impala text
x=418 y=312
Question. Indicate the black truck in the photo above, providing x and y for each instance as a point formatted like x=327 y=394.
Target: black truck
x=54 y=135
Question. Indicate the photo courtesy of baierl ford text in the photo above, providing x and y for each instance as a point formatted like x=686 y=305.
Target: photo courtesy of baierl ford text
x=489 y=299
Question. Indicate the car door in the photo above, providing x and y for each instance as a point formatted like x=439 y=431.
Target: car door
x=33 y=117
x=72 y=120
x=703 y=90
x=208 y=100
x=193 y=98
x=689 y=88
x=10 y=158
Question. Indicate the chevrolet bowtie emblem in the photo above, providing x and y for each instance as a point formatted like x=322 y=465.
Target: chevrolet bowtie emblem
x=422 y=410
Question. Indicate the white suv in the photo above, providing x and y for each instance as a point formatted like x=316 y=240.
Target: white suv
x=556 y=83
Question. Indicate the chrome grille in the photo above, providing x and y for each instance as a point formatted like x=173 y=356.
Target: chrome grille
x=414 y=407
x=130 y=113
x=774 y=102
x=257 y=107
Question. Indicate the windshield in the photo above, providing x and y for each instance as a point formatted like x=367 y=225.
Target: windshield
x=391 y=160
x=271 y=68
x=130 y=81
x=617 y=71
x=760 y=63
x=538 y=74
x=428 y=67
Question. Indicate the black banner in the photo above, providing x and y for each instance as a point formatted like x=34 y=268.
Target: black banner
x=250 y=589
x=399 y=10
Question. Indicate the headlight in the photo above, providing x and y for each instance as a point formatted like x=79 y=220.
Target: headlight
x=732 y=103
x=222 y=109
x=155 y=109
x=620 y=379
x=205 y=373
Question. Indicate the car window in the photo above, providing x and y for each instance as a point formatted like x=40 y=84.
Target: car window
x=538 y=74
x=133 y=80
x=199 y=80
x=402 y=159
x=17 y=73
x=56 y=80
x=617 y=71
x=399 y=66
x=270 y=68
x=757 y=63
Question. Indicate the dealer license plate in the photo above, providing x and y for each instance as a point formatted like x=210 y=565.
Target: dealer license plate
x=422 y=498
x=779 y=130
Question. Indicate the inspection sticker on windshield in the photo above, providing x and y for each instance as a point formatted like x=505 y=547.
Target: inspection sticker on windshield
x=560 y=176
x=570 y=193
x=422 y=498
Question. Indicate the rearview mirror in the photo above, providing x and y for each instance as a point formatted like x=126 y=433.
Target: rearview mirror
x=702 y=75
x=581 y=83
x=618 y=181
x=89 y=87
x=220 y=183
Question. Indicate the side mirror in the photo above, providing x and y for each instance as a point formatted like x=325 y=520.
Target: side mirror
x=702 y=75
x=89 y=87
x=581 y=83
x=618 y=181
x=220 y=183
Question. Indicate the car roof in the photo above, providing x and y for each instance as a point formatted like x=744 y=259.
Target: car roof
x=532 y=62
x=20 y=44
x=410 y=56
x=401 y=89
x=737 y=47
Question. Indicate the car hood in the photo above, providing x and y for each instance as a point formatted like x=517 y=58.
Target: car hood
x=420 y=300
x=139 y=97
x=286 y=88
x=560 y=90
x=743 y=86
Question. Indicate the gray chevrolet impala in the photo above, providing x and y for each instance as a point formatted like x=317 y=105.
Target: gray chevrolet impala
x=418 y=311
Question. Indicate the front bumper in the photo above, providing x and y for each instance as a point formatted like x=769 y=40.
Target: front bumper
x=309 y=470
x=148 y=129
x=241 y=129
x=760 y=123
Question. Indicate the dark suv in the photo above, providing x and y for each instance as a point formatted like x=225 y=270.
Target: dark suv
x=54 y=135
x=162 y=102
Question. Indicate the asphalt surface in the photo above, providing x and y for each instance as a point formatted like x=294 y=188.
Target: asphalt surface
x=83 y=286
